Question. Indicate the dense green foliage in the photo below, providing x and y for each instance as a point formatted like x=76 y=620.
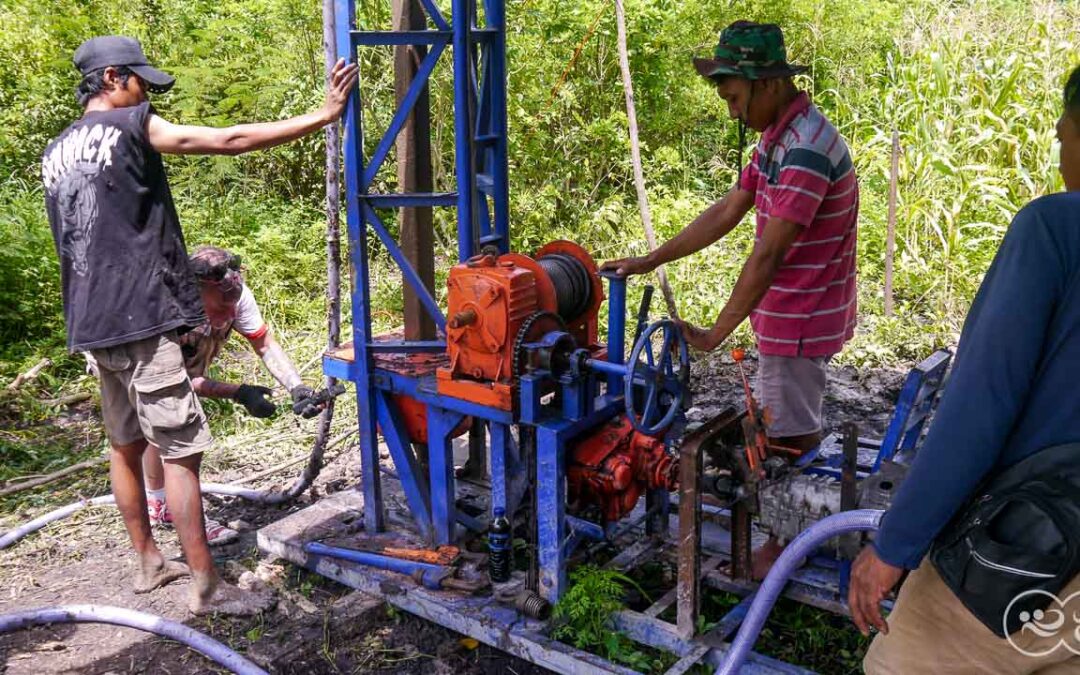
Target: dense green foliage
x=972 y=87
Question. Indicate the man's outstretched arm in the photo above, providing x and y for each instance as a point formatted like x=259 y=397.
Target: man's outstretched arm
x=183 y=139
x=754 y=281
x=709 y=227
x=276 y=360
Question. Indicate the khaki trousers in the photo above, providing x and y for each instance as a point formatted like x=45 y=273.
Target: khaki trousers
x=930 y=631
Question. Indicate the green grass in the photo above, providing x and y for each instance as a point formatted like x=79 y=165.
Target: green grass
x=971 y=86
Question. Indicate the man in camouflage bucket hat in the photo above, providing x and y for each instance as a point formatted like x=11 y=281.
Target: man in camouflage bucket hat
x=798 y=285
x=749 y=50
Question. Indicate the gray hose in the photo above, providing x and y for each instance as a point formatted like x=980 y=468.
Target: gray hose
x=790 y=560
x=261 y=496
x=118 y=616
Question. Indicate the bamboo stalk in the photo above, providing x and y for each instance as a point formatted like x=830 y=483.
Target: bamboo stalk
x=635 y=156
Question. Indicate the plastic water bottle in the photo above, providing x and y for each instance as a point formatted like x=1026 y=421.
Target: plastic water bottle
x=500 y=554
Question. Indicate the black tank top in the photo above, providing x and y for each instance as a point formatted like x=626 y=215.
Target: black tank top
x=123 y=264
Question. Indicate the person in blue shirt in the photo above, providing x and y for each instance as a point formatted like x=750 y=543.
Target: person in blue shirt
x=1014 y=390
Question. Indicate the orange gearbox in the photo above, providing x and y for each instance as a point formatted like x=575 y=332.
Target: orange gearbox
x=488 y=300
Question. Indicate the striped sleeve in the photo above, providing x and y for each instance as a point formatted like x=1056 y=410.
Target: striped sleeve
x=748 y=179
x=802 y=185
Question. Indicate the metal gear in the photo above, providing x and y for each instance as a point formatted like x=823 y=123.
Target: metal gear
x=534 y=327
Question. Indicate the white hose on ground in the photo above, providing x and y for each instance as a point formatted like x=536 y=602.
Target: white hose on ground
x=14 y=535
x=118 y=616
x=790 y=560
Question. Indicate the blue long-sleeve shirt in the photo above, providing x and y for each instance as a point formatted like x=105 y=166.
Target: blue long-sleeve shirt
x=1015 y=384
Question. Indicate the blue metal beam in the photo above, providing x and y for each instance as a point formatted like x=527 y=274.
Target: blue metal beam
x=441 y=424
x=551 y=513
x=463 y=113
x=397 y=441
x=379 y=38
x=408 y=102
x=353 y=143
x=435 y=14
x=411 y=276
x=411 y=199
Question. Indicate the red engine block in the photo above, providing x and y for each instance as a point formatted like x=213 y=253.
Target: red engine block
x=611 y=468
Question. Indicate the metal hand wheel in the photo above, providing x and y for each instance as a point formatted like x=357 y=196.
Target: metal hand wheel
x=654 y=379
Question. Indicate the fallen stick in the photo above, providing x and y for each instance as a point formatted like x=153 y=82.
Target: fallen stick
x=65 y=401
x=23 y=378
x=49 y=478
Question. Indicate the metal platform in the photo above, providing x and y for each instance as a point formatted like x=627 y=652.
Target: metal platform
x=338 y=519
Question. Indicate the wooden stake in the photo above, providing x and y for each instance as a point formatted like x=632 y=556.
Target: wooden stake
x=635 y=156
x=890 y=241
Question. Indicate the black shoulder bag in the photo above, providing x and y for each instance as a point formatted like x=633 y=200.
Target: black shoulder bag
x=1021 y=533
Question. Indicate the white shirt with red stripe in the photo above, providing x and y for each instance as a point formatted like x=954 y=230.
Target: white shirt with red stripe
x=801 y=171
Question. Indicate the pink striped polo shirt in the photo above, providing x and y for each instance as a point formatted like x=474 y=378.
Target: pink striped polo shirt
x=801 y=171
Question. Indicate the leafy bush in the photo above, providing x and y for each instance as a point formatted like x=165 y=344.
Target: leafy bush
x=972 y=88
x=583 y=617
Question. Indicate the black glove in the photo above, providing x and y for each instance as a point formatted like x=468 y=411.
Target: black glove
x=256 y=399
x=304 y=401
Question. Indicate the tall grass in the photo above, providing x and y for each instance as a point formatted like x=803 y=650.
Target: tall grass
x=972 y=87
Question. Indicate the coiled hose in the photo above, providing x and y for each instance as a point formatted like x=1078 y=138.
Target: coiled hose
x=790 y=560
x=118 y=616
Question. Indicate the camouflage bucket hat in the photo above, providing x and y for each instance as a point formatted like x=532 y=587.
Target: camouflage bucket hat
x=752 y=50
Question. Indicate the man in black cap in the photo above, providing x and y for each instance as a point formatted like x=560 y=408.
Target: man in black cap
x=129 y=292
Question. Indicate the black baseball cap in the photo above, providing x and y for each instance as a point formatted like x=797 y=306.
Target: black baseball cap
x=116 y=50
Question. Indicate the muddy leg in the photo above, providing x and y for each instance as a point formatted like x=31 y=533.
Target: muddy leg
x=125 y=471
x=209 y=594
x=804 y=443
x=153 y=471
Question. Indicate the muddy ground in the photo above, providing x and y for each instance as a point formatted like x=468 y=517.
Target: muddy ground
x=318 y=626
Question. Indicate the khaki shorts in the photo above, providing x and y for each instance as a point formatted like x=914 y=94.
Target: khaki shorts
x=930 y=631
x=146 y=394
x=792 y=389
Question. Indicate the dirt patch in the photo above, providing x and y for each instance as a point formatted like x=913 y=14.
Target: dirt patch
x=866 y=397
x=318 y=625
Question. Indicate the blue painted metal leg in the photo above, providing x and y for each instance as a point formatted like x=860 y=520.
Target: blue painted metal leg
x=500 y=467
x=360 y=299
x=397 y=440
x=845 y=578
x=551 y=511
x=616 y=329
x=464 y=103
x=441 y=460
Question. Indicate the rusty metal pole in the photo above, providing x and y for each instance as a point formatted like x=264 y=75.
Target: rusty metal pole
x=414 y=171
x=688 y=594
